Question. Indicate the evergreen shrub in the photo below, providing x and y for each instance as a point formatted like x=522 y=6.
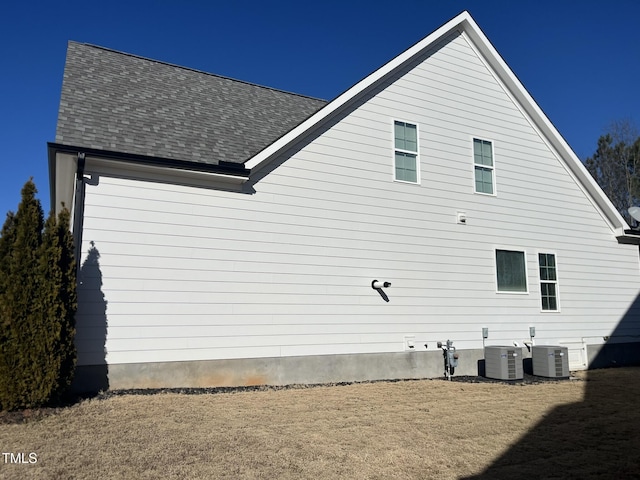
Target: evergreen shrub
x=37 y=305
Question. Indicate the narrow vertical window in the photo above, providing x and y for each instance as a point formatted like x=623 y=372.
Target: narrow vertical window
x=483 y=166
x=406 y=152
x=548 y=281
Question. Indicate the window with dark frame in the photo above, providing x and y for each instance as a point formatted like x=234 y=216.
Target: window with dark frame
x=548 y=281
x=511 y=271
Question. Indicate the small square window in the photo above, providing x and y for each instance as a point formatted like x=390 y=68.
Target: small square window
x=406 y=167
x=406 y=136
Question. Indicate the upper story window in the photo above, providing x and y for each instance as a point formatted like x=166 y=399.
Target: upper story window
x=483 y=166
x=548 y=282
x=406 y=164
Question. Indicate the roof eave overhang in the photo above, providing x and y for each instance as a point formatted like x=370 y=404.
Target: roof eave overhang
x=62 y=175
x=63 y=167
x=630 y=237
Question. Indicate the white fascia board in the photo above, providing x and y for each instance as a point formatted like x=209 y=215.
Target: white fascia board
x=264 y=156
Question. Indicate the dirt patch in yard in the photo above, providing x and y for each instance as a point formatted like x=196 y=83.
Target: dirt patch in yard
x=467 y=428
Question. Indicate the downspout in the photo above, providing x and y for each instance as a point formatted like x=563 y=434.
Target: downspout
x=78 y=208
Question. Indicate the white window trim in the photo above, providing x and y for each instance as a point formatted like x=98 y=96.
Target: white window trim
x=557 y=281
x=526 y=269
x=394 y=150
x=493 y=168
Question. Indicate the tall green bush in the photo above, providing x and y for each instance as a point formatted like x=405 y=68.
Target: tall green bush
x=58 y=303
x=37 y=305
x=7 y=239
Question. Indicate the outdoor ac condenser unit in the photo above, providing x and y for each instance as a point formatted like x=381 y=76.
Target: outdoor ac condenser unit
x=503 y=363
x=550 y=361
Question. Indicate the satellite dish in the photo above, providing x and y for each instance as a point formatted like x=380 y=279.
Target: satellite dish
x=635 y=213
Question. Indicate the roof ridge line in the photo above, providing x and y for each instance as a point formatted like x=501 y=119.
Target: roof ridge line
x=182 y=67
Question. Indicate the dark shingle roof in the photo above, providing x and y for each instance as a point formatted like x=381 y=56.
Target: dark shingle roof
x=124 y=103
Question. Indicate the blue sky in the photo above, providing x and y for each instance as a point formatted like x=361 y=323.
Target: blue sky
x=580 y=60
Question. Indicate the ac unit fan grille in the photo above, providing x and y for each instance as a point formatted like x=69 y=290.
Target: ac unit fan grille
x=558 y=363
x=511 y=364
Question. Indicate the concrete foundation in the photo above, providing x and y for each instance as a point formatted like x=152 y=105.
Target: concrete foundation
x=312 y=369
x=273 y=371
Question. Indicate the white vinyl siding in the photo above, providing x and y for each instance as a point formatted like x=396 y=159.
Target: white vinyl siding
x=548 y=281
x=406 y=162
x=188 y=273
x=483 y=166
